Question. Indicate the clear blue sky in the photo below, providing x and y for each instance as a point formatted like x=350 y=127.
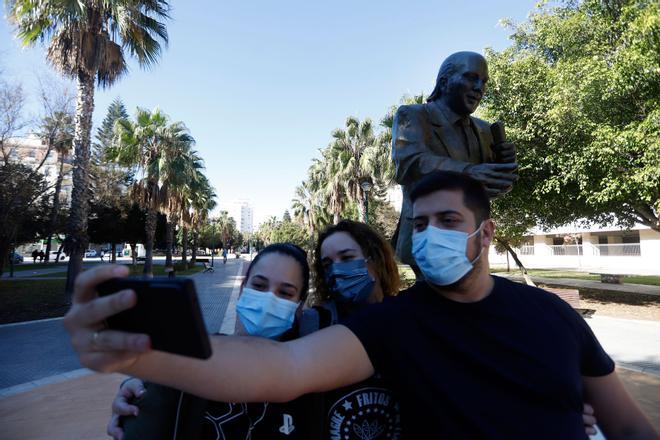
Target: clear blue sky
x=261 y=84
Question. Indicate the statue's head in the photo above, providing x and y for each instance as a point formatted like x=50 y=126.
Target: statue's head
x=461 y=82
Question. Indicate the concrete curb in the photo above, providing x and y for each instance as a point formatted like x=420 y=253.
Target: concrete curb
x=21 y=388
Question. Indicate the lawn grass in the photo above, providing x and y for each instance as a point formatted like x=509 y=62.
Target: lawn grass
x=30 y=266
x=650 y=280
x=158 y=270
x=27 y=300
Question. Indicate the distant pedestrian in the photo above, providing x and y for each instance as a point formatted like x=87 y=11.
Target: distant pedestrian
x=35 y=254
x=41 y=256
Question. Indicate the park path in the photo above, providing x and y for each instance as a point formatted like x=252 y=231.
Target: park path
x=33 y=351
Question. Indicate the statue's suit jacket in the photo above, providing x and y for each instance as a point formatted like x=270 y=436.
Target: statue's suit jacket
x=423 y=141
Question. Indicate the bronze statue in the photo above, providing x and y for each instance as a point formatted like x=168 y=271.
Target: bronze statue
x=441 y=135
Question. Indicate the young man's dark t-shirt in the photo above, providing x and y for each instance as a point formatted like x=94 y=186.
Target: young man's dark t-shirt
x=508 y=366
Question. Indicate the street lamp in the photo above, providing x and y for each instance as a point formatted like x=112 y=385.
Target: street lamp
x=365 y=184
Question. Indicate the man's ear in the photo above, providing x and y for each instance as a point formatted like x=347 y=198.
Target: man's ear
x=487 y=232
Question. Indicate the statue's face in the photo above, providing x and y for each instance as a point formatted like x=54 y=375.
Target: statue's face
x=463 y=90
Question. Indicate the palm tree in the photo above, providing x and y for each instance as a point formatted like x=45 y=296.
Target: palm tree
x=202 y=202
x=87 y=42
x=182 y=166
x=57 y=131
x=146 y=144
x=350 y=161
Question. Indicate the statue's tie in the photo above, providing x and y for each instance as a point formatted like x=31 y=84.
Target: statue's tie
x=471 y=141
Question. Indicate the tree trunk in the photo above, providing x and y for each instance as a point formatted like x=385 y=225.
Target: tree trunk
x=77 y=239
x=509 y=249
x=335 y=218
x=150 y=230
x=169 y=241
x=5 y=247
x=193 y=253
x=184 y=248
x=362 y=208
x=134 y=253
x=113 y=249
x=56 y=208
x=11 y=260
x=59 y=251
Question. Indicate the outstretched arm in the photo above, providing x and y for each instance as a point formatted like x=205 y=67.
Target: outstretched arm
x=242 y=369
x=249 y=369
x=618 y=415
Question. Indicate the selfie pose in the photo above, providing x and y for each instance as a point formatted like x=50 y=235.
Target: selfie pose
x=349 y=275
x=468 y=354
x=270 y=302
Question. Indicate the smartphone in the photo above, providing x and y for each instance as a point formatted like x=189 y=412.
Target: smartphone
x=167 y=310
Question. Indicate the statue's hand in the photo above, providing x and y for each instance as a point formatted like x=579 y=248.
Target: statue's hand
x=498 y=178
x=505 y=152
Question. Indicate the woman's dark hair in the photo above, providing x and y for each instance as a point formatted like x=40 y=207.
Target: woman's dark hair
x=374 y=247
x=290 y=250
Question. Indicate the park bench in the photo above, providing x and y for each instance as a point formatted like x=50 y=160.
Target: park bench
x=610 y=278
x=572 y=297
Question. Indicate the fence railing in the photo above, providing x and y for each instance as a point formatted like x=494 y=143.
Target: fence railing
x=566 y=249
x=527 y=249
x=617 y=250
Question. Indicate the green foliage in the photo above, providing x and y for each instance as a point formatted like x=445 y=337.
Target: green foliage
x=23 y=209
x=284 y=231
x=579 y=92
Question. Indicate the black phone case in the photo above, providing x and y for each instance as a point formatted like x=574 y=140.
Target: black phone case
x=167 y=310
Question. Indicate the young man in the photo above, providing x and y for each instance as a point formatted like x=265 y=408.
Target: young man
x=470 y=355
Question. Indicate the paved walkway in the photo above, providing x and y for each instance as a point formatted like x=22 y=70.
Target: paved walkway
x=588 y=284
x=32 y=351
x=631 y=343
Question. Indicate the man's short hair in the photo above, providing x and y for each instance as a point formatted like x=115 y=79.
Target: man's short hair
x=475 y=197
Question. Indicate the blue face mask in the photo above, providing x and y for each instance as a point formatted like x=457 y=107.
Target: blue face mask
x=350 y=281
x=440 y=254
x=264 y=314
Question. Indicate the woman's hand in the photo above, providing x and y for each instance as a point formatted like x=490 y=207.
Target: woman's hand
x=99 y=348
x=589 y=419
x=121 y=407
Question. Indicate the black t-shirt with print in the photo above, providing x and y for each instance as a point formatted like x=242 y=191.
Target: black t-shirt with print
x=365 y=410
x=508 y=366
x=256 y=420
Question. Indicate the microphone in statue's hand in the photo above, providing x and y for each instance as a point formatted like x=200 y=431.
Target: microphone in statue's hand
x=505 y=152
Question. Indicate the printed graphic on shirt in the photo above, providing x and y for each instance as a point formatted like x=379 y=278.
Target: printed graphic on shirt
x=222 y=421
x=287 y=425
x=368 y=413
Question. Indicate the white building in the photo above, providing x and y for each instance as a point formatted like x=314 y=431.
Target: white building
x=31 y=151
x=242 y=213
x=591 y=249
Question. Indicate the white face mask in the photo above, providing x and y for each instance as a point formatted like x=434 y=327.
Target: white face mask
x=441 y=254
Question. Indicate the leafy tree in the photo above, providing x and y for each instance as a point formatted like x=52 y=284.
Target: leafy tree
x=579 y=92
x=22 y=205
x=87 y=40
x=57 y=132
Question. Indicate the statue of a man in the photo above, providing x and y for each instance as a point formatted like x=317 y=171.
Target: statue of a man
x=441 y=135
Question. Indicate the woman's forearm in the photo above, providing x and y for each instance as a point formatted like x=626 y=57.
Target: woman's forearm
x=241 y=369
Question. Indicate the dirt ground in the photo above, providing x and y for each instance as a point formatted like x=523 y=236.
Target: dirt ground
x=621 y=304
